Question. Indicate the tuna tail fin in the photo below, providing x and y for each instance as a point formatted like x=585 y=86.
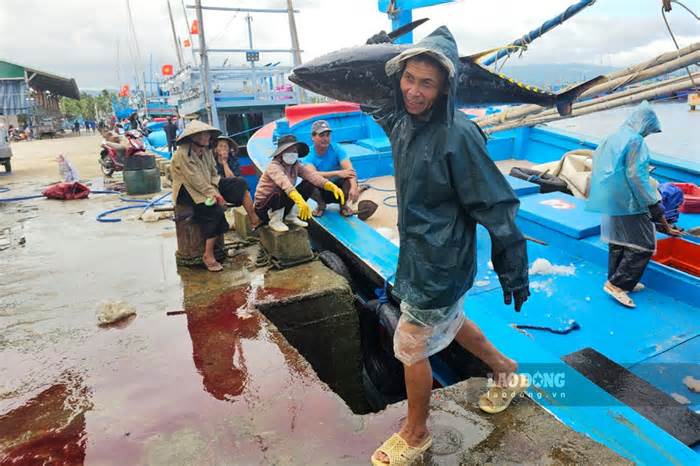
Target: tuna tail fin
x=565 y=100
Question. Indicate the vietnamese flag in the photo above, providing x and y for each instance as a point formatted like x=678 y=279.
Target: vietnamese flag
x=195 y=27
x=186 y=43
x=167 y=70
x=124 y=91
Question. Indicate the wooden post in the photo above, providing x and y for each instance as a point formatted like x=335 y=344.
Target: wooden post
x=190 y=241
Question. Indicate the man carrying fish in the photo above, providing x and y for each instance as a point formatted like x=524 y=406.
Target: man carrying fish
x=446 y=183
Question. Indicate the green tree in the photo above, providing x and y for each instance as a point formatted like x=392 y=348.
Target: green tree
x=87 y=105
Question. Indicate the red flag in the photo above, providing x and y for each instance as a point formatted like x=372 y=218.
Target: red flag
x=124 y=91
x=167 y=70
x=195 y=27
x=186 y=43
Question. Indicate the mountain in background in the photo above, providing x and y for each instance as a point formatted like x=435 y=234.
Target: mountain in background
x=548 y=75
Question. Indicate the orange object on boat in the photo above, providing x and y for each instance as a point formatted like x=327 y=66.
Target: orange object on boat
x=691 y=197
x=296 y=113
x=679 y=254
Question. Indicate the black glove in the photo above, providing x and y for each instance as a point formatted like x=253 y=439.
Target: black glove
x=656 y=212
x=381 y=38
x=520 y=295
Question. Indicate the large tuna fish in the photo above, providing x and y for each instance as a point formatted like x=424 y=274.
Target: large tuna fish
x=357 y=74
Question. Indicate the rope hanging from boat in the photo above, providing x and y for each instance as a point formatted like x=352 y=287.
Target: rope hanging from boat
x=666 y=7
x=544 y=28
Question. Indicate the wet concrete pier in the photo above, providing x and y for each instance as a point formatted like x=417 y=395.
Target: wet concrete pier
x=199 y=376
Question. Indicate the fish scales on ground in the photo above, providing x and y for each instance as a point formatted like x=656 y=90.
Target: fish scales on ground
x=357 y=74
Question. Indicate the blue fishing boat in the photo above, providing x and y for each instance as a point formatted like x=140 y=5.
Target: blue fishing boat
x=588 y=356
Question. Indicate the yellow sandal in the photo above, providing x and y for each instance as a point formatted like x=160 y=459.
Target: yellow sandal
x=399 y=452
x=497 y=399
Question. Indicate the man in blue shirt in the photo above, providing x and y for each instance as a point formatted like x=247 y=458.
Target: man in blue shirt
x=331 y=161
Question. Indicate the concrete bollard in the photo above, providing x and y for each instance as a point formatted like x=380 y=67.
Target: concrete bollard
x=319 y=319
x=291 y=246
x=190 y=241
x=241 y=223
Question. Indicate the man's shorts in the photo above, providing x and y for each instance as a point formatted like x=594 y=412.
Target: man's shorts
x=421 y=333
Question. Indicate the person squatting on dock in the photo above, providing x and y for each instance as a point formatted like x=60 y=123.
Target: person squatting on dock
x=623 y=191
x=277 y=198
x=446 y=183
x=196 y=183
x=331 y=162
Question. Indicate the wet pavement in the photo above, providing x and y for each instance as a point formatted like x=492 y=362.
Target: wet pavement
x=215 y=384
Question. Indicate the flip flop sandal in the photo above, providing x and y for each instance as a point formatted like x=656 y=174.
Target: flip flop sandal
x=497 y=399
x=347 y=211
x=318 y=212
x=365 y=209
x=620 y=296
x=214 y=267
x=638 y=287
x=399 y=452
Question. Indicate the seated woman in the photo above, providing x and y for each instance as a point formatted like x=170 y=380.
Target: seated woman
x=196 y=183
x=226 y=156
x=277 y=198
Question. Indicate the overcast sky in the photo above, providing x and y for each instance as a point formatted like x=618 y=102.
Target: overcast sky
x=89 y=40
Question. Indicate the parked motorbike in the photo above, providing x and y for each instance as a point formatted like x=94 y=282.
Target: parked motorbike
x=113 y=155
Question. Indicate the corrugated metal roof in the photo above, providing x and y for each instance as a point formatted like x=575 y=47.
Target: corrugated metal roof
x=40 y=80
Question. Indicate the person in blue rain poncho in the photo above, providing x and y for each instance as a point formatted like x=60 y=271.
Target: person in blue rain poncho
x=446 y=183
x=624 y=192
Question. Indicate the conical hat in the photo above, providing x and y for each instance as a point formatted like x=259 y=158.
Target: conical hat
x=196 y=126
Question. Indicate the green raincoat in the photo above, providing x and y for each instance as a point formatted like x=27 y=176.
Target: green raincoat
x=446 y=183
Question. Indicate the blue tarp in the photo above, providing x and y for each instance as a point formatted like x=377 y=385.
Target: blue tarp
x=13 y=97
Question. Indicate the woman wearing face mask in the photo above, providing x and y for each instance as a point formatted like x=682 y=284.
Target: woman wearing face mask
x=276 y=198
x=196 y=183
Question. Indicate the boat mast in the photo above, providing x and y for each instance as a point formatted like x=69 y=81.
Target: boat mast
x=137 y=52
x=189 y=32
x=296 y=56
x=178 y=52
x=249 y=20
x=209 y=103
x=293 y=32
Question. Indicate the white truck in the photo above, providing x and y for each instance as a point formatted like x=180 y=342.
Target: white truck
x=5 y=150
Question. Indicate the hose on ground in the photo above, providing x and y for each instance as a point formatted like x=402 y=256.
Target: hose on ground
x=144 y=204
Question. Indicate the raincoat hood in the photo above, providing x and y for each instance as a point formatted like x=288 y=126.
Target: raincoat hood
x=644 y=120
x=441 y=46
x=620 y=181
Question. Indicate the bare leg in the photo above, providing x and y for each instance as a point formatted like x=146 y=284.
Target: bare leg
x=346 y=210
x=250 y=210
x=471 y=338
x=419 y=383
x=209 y=258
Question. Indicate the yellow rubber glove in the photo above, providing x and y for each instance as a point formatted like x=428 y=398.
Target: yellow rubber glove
x=304 y=209
x=337 y=192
